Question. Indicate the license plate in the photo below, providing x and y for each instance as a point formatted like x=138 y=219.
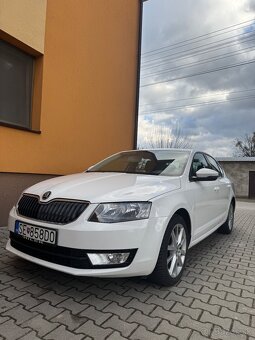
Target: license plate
x=35 y=233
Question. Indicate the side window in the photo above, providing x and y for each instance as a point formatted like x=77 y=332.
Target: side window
x=214 y=165
x=199 y=162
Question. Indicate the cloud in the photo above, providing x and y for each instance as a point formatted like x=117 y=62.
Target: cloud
x=212 y=127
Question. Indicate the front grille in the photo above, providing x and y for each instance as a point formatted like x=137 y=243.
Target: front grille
x=56 y=211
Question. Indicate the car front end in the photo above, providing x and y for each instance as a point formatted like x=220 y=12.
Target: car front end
x=75 y=244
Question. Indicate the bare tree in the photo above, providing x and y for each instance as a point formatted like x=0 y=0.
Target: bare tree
x=165 y=137
x=246 y=145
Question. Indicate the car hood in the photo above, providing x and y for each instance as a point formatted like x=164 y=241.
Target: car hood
x=106 y=187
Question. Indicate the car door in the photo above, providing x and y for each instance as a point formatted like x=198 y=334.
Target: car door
x=204 y=197
x=223 y=188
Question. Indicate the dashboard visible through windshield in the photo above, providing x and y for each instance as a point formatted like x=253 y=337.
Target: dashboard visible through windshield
x=147 y=162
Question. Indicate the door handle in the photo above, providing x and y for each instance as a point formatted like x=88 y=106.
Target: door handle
x=216 y=188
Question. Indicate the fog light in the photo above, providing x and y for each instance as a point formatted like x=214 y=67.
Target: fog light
x=108 y=258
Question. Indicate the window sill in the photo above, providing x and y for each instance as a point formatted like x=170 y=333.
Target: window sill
x=17 y=127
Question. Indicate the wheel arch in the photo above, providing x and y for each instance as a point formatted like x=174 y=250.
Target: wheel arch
x=186 y=216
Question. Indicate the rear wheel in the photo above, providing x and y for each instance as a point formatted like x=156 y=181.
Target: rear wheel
x=172 y=256
x=228 y=226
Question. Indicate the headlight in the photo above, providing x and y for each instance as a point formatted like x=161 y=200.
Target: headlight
x=121 y=212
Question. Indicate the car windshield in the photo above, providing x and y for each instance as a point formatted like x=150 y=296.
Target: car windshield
x=153 y=162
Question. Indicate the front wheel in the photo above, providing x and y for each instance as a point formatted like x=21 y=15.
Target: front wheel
x=228 y=226
x=172 y=256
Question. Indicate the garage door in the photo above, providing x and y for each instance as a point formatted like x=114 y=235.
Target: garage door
x=252 y=184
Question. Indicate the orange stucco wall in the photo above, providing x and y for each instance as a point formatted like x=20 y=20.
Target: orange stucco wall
x=88 y=89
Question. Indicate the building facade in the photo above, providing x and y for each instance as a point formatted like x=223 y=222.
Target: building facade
x=68 y=87
x=242 y=173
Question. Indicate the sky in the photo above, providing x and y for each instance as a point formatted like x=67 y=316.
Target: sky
x=183 y=43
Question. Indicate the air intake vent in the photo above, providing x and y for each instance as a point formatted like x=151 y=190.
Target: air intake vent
x=58 y=211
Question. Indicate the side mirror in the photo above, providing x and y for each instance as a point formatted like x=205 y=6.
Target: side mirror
x=206 y=175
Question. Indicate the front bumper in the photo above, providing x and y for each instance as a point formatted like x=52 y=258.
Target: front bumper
x=141 y=238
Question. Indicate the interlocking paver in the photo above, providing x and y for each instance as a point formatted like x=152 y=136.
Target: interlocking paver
x=52 y=297
x=11 y=293
x=34 y=290
x=172 y=317
x=97 y=291
x=159 y=292
x=197 y=336
x=177 y=332
x=27 y=300
x=187 y=301
x=40 y=325
x=214 y=300
x=116 y=336
x=5 y=304
x=73 y=306
x=96 y=332
x=204 y=328
x=240 y=328
x=156 y=301
x=235 y=291
x=19 y=314
x=141 y=333
x=19 y=283
x=219 y=333
x=200 y=296
x=232 y=305
x=97 y=316
x=75 y=294
x=242 y=317
x=149 y=322
x=125 y=328
x=213 y=309
x=122 y=312
x=216 y=320
x=133 y=293
x=62 y=333
x=69 y=320
x=247 y=294
x=96 y=302
x=30 y=336
x=143 y=307
x=202 y=282
x=194 y=313
x=47 y=310
x=11 y=331
x=247 y=301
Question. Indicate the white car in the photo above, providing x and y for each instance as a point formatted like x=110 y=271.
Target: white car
x=135 y=213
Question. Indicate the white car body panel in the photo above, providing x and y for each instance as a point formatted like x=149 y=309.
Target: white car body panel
x=206 y=202
x=106 y=187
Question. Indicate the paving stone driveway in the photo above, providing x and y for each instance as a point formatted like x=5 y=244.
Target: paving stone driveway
x=214 y=300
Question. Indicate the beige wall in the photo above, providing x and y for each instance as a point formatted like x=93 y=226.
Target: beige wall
x=88 y=89
x=238 y=173
x=25 y=21
x=84 y=88
x=11 y=187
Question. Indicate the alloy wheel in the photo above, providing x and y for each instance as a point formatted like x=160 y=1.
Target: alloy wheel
x=231 y=217
x=176 y=250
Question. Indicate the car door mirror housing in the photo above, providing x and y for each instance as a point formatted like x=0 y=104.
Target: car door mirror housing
x=206 y=175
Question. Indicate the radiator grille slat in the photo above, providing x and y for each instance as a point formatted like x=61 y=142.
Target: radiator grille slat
x=57 y=211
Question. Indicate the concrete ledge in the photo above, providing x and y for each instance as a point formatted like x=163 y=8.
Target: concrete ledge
x=11 y=186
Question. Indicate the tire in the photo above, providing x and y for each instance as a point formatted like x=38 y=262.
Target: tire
x=228 y=226
x=166 y=273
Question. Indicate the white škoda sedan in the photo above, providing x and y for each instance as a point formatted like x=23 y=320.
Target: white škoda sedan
x=135 y=213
